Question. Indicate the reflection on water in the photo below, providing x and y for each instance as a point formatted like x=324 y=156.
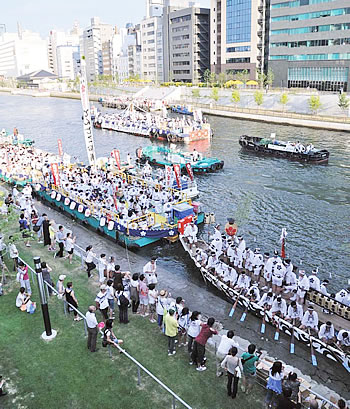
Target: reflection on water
x=311 y=201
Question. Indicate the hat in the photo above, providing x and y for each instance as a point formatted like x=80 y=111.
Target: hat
x=267 y=254
x=275 y=253
x=240 y=237
x=315 y=271
x=230 y=220
x=302 y=272
x=62 y=277
x=287 y=260
x=163 y=293
x=257 y=250
x=329 y=324
x=103 y=287
x=325 y=282
x=310 y=307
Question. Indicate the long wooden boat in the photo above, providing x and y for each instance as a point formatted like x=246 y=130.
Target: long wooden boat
x=284 y=326
x=285 y=150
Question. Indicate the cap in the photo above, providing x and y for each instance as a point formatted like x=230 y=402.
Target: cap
x=62 y=277
x=103 y=287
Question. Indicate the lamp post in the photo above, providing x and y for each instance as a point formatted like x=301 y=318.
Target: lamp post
x=49 y=333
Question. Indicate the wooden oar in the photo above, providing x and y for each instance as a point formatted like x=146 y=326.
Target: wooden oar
x=313 y=356
x=263 y=324
x=245 y=311
x=235 y=304
x=277 y=333
x=292 y=346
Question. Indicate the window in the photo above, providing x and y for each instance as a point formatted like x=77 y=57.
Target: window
x=318 y=74
x=312 y=29
x=298 y=3
x=238 y=21
x=239 y=49
x=237 y=60
x=316 y=14
x=311 y=57
x=177 y=63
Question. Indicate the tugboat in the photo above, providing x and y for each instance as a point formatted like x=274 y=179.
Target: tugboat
x=288 y=150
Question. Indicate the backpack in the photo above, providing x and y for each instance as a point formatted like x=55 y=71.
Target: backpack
x=123 y=300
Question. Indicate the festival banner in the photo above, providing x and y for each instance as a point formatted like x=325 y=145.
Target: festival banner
x=283 y=242
x=177 y=171
x=87 y=123
x=60 y=149
x=168 y=172
x=55 y=174
x=116 y=156
x=189 y=171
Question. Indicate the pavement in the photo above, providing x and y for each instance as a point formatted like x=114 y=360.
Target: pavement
x=177 y=274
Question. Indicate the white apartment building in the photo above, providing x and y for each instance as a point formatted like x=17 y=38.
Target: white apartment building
x=22 y=53
x=68 y=61
x=152 y=49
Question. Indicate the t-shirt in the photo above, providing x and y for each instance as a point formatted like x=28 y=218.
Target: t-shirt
x=249 y=366
x=205 y=334
x=194 y=328
x=171 y=325
x=226 y=344
x=19 y=299
x=152 y=295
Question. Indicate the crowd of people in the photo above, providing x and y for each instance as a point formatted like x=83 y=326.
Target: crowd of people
x=269 y=281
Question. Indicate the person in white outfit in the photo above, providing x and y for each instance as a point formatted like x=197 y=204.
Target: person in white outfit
x=150 y=271
x=326 y=333
x=310 y=320
x=295 y=313
x=303 y=287
x=279 y=307
x=314 y=281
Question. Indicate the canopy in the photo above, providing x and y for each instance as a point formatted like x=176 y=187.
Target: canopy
x=237 y=82
x=252 y=82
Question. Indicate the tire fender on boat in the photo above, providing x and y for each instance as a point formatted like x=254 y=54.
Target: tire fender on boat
x=256 y=148
x=244 y=142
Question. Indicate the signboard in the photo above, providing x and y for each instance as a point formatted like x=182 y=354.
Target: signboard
x=189 y=171
x=55 y=174
x=168 y=172
x=116 y=156
x=177 y=171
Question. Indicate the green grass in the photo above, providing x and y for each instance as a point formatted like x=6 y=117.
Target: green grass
x=64 y=374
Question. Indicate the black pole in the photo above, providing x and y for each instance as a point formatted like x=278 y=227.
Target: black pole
x=43 y=297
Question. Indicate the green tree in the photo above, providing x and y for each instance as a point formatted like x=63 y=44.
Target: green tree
x=212 y=78
x=206 y=76
x=261 y=79
x=243 y=76
x=222 y=79
x=258 y=97
x=235 y=97
x=215 y=94
x=284 y=100
x=270 y=76
x=343 y=102
x=196 y=93
x=314 y=103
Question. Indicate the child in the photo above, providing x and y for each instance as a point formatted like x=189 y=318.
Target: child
x=152 y=297
x=184 y=320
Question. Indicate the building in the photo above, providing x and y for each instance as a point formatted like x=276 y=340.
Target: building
x=40 y=79
x=68 y=61
x=22 y=53
x=238 y=36
x=187 y=50
x=134 y=63
x=95 y=45
x=310 y=43
x=152 y=49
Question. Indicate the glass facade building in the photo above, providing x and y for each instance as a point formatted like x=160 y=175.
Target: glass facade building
x=238 y=21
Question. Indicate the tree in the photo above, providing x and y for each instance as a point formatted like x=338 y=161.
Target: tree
x=242 y=75
x=236 y=96
x=261 y=79
x=215 y=94
x=270 y=76
x=212 y=78
x=206 y=76
x=343 y=102
x=222 y=79
x=196 y=93
x=258 y=97
x=314 y=103
x=284 y=99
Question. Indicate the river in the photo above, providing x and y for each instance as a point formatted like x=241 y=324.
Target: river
x=264 y=194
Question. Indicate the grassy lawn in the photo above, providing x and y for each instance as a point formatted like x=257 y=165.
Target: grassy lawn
x=64 y=374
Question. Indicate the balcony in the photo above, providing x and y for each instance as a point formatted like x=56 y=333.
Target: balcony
x=260 y=33
x=261 y=9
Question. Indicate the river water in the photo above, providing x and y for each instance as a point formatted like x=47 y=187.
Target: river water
x=264 y=194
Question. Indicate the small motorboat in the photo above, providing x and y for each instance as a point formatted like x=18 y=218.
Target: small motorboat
x=280 y=149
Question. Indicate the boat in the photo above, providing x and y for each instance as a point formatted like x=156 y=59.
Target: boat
x=163 y=156
x=182 y=109
x=14 y=138
x=287 y=150
x=330 y=352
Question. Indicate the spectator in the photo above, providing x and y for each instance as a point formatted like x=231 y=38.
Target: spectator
x=22 y=298
x=52 y=235
x=102 y=301
x=226 y=343
x=102 y=268
x=117 y=277
x=313 y=404
x=274 y=384
x=24 y=228
x=152 y=298
x=91 y=322
x=39 y=227
x=198 y=352
x=24 y=277
x=342 y=404
x=134 y=293
x=293 y=384
x=233 y=366
x=285 y=402
x=143 y=295
x=184 y=320
x=123 y=303
x=109 y=336
x=46 y=231
x=110 y=267
x=171 y=328
x=71 y=299
x=61 y=240
x=110 y=291
x=70 y=247
x=47 y=277
x=162 y=303
x=89 y=260
x=194 y=328
x=60 y=286
x=13 y=253
x=249 y=360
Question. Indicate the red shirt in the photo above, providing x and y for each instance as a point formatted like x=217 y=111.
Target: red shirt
x=205 y=334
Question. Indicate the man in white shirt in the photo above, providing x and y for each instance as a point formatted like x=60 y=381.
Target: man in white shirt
x=326 y=333
x=243 y=282
x=150 y=271
x=323 y=287
x=295 y=313
x=226 y=343
x=266 y=300
x=303 y=287
x=91 y=323
x=314 y=281
x=279 y=307
x=343 y=340
x=310 y=320
x=102 y=301
x=342 y=296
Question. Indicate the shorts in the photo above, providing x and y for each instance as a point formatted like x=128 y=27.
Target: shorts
x=111 y=303
x=152 y=308
x=250 y=378
x=143 y=301
x=70 y=251
x=277 y=281
x=182 y=331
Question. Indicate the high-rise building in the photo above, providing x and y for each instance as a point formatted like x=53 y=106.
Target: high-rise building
x=22 y=53
x=187 y=54
x=68 y=61
x=310 y=43
x=238 y=36
x=152 y=49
